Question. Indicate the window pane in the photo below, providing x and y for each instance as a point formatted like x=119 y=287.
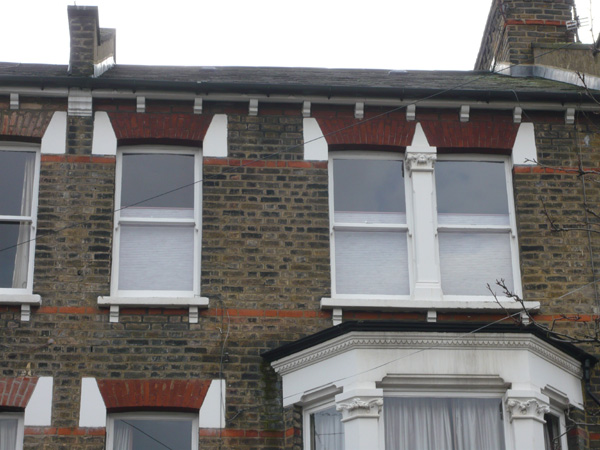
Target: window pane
x=327 y=430
x=16 y=182
x=443 y=424
x=371 y=263
x=471 y=260
x=14 y=260
x=368 y=191
x=156 y=258
x=471 y=187
x=8 y=434
x=135 y=434
x=146 y=176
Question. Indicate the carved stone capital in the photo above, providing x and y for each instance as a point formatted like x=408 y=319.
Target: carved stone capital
x=526 y=409
x=420 y=161
x=358 y=408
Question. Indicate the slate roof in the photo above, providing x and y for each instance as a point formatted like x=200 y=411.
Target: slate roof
x=300 y=81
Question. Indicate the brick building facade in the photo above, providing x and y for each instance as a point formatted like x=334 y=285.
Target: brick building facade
x=276 y=258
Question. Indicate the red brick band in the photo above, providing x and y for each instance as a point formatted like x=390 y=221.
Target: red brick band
x=554 y=23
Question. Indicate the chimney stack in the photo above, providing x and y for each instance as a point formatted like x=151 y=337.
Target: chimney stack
x=515 y=26
x=92 y=47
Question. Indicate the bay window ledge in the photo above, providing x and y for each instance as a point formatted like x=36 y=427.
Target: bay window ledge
x=448 y=303
x=115 y=302
x=23 y=300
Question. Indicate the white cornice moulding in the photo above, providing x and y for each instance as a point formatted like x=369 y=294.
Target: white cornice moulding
x=215 y=140
x=80 y=102
x=54 y=141
x=38 y=412
x=524 y=150
x=92 y=411
x=422 y=340
x=104 y=141
x=315 y=144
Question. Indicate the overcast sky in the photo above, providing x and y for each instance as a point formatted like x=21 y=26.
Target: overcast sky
x=385 y=34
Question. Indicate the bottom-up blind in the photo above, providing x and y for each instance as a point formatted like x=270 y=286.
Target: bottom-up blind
x=156 y=258
x=371 y=262
x=471 y=260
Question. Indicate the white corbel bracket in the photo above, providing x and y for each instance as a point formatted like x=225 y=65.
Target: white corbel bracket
x=465 y=110
x=194 y=316
x=25 y=313
x=517 y=114
x=570 y=116
x=113 y=316
x=253 y=107
x=411 y=113
x=306 y=108
x=140 y=105
x=336 y=315
x=198 y=105
x=432 y=316
x=359 y=110
x=80 y=103
x=14 y=101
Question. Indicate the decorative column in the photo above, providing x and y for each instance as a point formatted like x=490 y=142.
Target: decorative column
x=419 y=161
x=360 y=415
x=526 y=411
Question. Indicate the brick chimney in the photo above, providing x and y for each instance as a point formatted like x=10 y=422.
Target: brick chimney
x=514 y=27
x=92 y=47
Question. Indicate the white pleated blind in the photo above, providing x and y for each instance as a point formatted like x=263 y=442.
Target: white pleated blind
x=371 y=262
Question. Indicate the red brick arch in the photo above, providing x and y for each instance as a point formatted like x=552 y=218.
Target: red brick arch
x=174 y=395
x=31 y=124
x=188 y=127
x=16 y=392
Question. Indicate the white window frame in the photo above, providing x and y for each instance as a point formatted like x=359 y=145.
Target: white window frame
x=24 y=296
x=144 y=415
x=408 y=302
x=20 y=426
x=307 y=411
x=335 y=226
x=510 y=229
x=151 y=297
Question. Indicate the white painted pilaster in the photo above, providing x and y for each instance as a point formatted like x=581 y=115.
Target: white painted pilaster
x=315 y=145
x=526 y=411
x=419 y=161
x=38 y=412
x=360 y=409
x=54 y=140
x=104 y=141
x=524 y=150
x=92 y=412
x=215 y=141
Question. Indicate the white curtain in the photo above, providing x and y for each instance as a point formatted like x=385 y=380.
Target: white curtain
x=328 y=430
x=123 y=436
x=8 y=434
x=22 y=253
x=443 y=424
